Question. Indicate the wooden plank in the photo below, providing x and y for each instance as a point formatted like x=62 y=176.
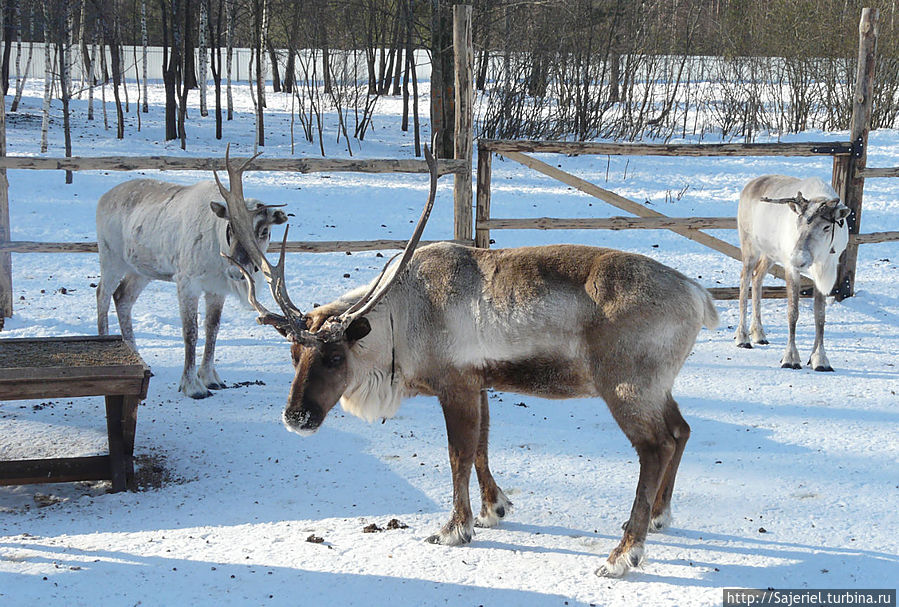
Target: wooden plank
x=732 y=293
x=5 y=257
x=463 y=137
x=820 y=148
x=117 y=458
x=874 y=237
x=627 y=205
x=609 y=223
x=482 y=213
x=92 y=373
x=56 y=470
x=859 y=124
x=177 y=163
x=308 y=246
x=64 y=388
x=877 y=172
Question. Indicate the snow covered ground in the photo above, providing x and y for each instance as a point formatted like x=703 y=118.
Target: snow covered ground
x=790 y=479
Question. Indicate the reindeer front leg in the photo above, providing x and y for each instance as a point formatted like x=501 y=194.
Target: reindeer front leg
x=190 y=383
x=461 y=411
x=790 y=358
x=209 y=377
x=494 y=503
x=755 y=327
x=818 y=360
x=741 y=336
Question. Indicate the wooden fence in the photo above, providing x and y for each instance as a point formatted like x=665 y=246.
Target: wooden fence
x=848 y=174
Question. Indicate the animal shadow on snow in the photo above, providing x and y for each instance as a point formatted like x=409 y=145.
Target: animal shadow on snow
x=196 y=582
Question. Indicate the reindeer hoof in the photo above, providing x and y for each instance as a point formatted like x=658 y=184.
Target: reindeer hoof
x=762 y=342
x=745 y=344
x=452 y=535
x=791 y=366
x=492 y=514
x=618 y=566
x=828 y=368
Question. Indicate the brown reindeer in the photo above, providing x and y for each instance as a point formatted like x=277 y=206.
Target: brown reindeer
x=450 y=321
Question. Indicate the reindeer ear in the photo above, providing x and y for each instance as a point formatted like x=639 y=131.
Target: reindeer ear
x=358 y=329
x=219 y=209
x=798 y=204
x=841 y=212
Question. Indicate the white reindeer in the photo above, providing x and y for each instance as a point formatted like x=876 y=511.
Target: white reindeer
x=152 y=230
x=450 y=321
x=801 y=224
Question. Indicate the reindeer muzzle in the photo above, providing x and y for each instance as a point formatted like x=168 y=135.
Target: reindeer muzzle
x=305 y=421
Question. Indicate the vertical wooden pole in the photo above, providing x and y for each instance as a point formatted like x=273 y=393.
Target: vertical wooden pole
x=859 y=126
x=5 y=258
x=485 y=166
x=464 y=123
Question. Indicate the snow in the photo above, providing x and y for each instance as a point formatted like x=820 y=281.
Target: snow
x=790 y=478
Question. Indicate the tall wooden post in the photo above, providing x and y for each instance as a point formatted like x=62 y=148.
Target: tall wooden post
x=485 y=168
x=464 y=123
x=5 y=258
x=859 y=126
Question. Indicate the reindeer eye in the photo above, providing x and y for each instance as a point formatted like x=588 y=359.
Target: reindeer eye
x=334 y=360
x=826 y=228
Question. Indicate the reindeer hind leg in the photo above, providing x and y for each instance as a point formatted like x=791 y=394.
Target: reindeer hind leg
x=646 y=428
x=124 y=296
x=494 y=503
x=679 y=430
x=462 y=412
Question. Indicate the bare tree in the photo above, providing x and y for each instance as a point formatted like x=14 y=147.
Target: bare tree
x=203 y=39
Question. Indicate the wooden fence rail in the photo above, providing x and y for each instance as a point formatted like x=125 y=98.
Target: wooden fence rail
x=300 y=246
x=174 y=163
x=576 y=148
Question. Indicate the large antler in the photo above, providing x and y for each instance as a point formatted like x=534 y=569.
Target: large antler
x=241 y=219
x=797 y=199
x=378 y=290
x=293 y=320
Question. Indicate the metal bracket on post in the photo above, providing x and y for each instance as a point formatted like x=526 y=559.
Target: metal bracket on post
x=858 y=147
x=842 y=289
x=834 y=149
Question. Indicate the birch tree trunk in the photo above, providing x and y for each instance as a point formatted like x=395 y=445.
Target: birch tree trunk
x=103 y=72
x=65 y=82
x=91 y=80
x=260 y=77
x=229 y=11
x=18 y=45
x=20 y=83
x=82 y=48
x=262 y=65
x=66 y=40
x=48 y=79
x=143 y=39
x=204 y=36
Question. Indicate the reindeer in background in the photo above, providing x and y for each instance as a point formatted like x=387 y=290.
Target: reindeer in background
x=152 y=230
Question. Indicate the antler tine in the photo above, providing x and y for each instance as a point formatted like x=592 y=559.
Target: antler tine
x=364 y=305
x=798 y=198
x=279 y=287
x=241 y=220
x=235 y=173
x=779 y=200
x=374 y=286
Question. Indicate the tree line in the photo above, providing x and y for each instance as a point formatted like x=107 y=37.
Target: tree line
x=576 y=69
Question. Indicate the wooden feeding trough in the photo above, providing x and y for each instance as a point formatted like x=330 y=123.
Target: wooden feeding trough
x=61 y=367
